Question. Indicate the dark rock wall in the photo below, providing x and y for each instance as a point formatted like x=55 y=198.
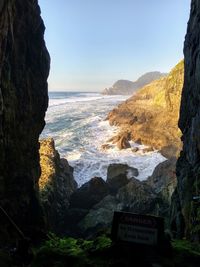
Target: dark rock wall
x=185 y=211
x=24 y=68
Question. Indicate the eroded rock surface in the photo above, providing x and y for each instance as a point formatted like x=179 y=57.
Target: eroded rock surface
x=56 y=184
x=185 y=217
x=24 y=68
x=91 y=210
x=163 y=179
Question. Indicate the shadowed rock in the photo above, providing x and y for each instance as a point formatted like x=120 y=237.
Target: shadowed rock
x=185 y=211
x=89 y=194
x=24 y=68
x=56 y=184
x=152 y=196
x=117 y=176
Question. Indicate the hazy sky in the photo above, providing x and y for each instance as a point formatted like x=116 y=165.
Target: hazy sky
x=93 y=43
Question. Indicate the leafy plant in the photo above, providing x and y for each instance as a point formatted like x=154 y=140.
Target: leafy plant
x=61 y=251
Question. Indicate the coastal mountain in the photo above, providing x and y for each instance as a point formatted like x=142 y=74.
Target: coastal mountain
x=125 y=87
x=151 y=115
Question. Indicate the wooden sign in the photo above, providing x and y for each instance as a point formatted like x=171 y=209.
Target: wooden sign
x=138 y=229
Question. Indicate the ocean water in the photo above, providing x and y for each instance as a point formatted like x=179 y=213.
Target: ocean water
x=76 y=121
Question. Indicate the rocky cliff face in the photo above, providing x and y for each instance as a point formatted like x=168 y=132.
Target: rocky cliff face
x=24 y=68
x=125 y=87
x=151 y=115
x=56 y=184
x=186 y=210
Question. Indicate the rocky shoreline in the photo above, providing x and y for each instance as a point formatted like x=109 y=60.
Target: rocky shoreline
x=89 y=209
x=149 y=117
x=35 y=200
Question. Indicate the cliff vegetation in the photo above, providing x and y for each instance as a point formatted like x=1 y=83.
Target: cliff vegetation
x=151 y=115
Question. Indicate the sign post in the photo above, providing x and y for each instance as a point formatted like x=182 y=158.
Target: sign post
x=137 y=229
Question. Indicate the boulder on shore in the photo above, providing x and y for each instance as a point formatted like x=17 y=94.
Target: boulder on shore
x=121 y=140
x=123 y=143
x=117 y=176
x=129 y=194
x=89 y=194
x=163 y=180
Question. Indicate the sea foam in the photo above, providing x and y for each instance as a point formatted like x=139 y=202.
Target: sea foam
x=77 y=123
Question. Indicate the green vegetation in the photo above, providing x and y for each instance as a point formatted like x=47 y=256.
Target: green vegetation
x=101 y=252
x=73 y=252
x=186 y=254
x=186 y=247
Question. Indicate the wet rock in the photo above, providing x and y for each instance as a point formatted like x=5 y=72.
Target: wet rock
x=123 y=143
x=121 y=140
x=135 y=149
x=138 y=141
x=89 y=194
x=117 y=176
x=147 y=149
x=116 y=169
x=106 y=146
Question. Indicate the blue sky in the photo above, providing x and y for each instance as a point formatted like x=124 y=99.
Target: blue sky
x=93 y=43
